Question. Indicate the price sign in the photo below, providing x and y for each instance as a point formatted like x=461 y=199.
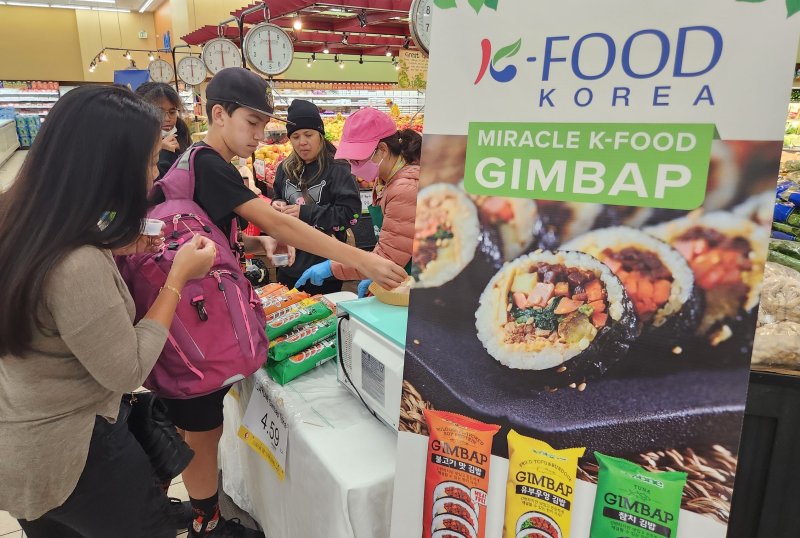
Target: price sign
x=260 y=169
x=266 y=430
x=366 y=200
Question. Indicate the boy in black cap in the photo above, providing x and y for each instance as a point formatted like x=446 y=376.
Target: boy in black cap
x=239 y=105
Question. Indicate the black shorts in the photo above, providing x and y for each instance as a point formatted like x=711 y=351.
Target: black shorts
x=201 y=414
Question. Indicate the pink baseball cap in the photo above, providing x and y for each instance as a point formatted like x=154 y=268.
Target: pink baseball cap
x=362 y=131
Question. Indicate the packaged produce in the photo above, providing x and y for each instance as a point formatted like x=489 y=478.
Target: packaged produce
x=301 y=337
x=306 y=311
x=296 y=365
x=541 y=484
x=634 y=502
x=786 y=212
x=785 y=229
x=457 y=475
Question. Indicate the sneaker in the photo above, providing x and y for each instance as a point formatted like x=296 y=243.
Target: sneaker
x=230 y=528
x=180 y=513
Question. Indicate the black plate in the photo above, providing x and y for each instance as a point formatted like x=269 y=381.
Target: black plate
x=650 y=400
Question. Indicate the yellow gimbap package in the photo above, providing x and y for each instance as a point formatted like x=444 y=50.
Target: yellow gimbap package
x=541 y=484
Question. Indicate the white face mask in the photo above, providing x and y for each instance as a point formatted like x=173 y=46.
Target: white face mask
x=165 y=134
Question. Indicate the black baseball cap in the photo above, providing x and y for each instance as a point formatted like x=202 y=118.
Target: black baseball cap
x=242 y=87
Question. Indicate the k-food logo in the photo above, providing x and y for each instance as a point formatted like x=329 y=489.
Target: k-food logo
x=490 y=63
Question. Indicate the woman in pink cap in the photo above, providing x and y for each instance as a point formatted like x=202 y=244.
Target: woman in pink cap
x=378 y=152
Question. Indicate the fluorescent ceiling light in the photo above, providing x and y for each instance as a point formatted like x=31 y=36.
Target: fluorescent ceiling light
x=145 y=6
x=60 y=6
x=113 y=10
x=22 y=4
x=98 y=1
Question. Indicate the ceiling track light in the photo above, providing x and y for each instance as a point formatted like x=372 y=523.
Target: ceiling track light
x=345 y=40
x=313 y=56
x=362 y=18
x=151 y=57
x=298 y=23
x=361 y=58
x=127 y=55
x=388 y=52
x=325 y=50
x=341 y=64
x=335 y=58
x=407 y=43
x=103 y=56
x=308 y=63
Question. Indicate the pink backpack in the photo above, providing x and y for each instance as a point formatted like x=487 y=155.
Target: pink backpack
x=217 y=336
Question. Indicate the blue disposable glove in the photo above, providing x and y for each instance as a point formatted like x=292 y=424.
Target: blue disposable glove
x=363 y=287
x=316 y=274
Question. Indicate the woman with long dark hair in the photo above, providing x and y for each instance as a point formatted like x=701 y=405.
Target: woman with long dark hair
x=68 y=345
x=173 y=144
x=316 y=188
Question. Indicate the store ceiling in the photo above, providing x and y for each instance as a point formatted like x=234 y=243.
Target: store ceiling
x=342 y=26
x=101 y=5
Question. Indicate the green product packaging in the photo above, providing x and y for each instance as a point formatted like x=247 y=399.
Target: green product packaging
x=635 y=503
x=296 y=365
x=302 y=337
x=299 y=316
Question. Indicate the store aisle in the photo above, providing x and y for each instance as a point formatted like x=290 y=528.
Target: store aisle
x=9 y=170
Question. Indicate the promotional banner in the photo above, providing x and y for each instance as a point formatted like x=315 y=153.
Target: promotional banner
x=596 y=191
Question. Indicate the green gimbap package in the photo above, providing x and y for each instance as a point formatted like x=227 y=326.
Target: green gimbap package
x=304 y=312
x=285 y=371
x=634 y=502
x=302 y=337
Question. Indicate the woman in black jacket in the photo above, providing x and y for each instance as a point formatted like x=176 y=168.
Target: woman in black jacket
x=175 y=137
x=314 y=187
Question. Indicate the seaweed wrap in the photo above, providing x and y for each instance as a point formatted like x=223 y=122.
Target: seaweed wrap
x=561 y=221
x=656 y=277
x=547 y=308
x=446 y=235
x=507 y=226
x=721 y=249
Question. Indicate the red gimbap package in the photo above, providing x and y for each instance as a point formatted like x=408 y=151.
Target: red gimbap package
x=457 y=475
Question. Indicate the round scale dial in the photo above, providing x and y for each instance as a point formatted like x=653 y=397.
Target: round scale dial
x=161 y=71
x=192 y=70
x=420 y=17
x=269 y=50
x=220 y=53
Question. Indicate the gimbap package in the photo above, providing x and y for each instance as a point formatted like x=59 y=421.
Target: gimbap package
x=296 y=365
x=280 y=300
x=634 y=502
x=305 y=311
x=302 y=337
x=786 y=212
x=457 y=475
x=541 y=484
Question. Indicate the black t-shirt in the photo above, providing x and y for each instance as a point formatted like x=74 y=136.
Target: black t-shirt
x=219 y=188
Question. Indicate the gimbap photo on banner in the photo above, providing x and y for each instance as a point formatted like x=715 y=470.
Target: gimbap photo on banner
x=590 y=245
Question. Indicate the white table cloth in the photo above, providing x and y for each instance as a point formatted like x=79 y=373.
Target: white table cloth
x=340 y=462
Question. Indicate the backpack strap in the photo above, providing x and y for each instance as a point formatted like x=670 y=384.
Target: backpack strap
x=179 y=182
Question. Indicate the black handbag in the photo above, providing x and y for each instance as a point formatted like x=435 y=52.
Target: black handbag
x=168 y=452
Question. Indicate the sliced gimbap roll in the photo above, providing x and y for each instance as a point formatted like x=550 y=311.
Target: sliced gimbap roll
x=723 y=251
x=507 y=226
x=561 y=221
x=656 y=278
x=446 y=235
x=547 y=308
